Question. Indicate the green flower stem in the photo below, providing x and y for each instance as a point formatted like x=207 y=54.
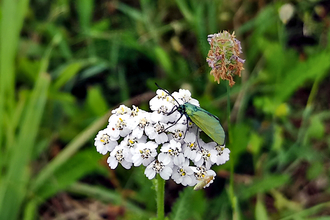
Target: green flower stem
x=232 y=196
x=160 y=191
x=229 y=140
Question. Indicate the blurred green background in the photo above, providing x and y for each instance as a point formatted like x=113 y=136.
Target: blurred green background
x=65 y=64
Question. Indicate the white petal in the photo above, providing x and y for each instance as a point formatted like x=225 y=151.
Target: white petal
x=199 y=163
x=177 y=177
x=126 y=165
x=137 y=160
x=150 y=173
x=166 y=173
x=113 y=163
x=198 y=157
x=180 y=160
x=187 y=180
x=161 y=138
x=137 y=132
x=165 y=158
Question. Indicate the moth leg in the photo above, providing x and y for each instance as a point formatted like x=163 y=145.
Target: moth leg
x=173 y=110
x=186 y=128
x=197 y=139
x=174 y=123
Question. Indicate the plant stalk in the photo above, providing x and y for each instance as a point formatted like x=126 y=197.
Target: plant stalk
x=160 y=191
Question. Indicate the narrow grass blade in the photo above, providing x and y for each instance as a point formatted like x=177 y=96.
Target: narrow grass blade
x=13 y=187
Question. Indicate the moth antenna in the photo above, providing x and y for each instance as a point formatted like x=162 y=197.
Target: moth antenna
x=167 y=93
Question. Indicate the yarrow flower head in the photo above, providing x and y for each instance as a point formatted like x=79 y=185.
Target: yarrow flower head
x=223 y=56
x=162 y=141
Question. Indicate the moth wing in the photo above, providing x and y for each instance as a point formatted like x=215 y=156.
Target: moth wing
x=209 y=123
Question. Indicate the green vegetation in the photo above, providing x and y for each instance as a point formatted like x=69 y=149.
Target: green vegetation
x=65 y=64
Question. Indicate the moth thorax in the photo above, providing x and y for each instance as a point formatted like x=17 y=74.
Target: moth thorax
x=181 y=109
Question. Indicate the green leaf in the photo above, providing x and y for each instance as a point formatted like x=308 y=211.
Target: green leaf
x=68 y=151
x=282 y=203
x=85 y=13
x=239 y=140
x=198 y=204
x=101 y=26
x=64 y=47
x=67 y=73
x=72 y=170
x=132 y=12
x=185 y=10
x=29 y=69
x=263 y=185
x=309 y=212
x=255 y=143
x=316 y=128
x=315 y=170
x=11 y=20
x=108 y=196
x=180 y=209
x=93 y=70
x=261 y=211
x=13 y=188
x=277 y=138
x=96 y=102
x=313 y=68
x=164 y=59
x=265 y=104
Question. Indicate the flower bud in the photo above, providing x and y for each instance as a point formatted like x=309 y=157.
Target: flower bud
x=223 y=56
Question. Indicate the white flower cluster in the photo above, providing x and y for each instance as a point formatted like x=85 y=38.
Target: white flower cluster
x=153 y=139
